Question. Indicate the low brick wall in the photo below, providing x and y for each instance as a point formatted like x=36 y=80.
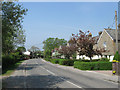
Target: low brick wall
x=116 y=67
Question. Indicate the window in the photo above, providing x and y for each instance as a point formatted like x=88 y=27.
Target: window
x=105 y=45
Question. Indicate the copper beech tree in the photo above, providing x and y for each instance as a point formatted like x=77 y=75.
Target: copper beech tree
x=84 y=44
x=67 y=51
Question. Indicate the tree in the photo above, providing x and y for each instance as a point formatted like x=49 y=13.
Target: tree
x=21 y=50
x=12 y=31
x=68 y=51
x=85 y=43
x=117 y=56
x=52 y=43
x=34 y=49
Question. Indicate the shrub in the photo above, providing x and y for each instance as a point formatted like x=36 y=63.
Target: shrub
x=10 y=59
x=47 y=59
x=117 y=56
x=55 y=61
x=93 y=65
x=67 y=62
x=105 y=59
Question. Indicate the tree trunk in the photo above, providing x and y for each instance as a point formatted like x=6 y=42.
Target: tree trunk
x=90 y=59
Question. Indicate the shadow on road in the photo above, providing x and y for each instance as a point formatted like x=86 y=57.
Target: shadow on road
x=36 y=81
x=29 y=66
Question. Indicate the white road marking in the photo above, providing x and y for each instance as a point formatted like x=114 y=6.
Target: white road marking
x=51 y=72
x=71 y=83
x=48 y=71
x=74 y=84
x=61 y=78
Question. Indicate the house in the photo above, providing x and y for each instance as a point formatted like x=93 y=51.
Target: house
x=56 y=54
x=106 y=40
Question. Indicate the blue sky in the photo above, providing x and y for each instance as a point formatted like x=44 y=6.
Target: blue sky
x=44 y=20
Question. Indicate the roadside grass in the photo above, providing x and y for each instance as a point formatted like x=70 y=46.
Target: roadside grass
x=11 y=69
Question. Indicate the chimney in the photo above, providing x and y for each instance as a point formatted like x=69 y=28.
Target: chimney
x=100 y=33
x=90 y=35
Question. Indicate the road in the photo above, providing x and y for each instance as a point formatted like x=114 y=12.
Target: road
x=37 y=73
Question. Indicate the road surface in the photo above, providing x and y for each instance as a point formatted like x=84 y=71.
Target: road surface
x=37 y=73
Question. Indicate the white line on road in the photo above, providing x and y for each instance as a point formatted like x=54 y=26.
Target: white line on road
x=71 y=82
x=48 y=71
x=74 y=84
x=51 y=72
x=61 y=78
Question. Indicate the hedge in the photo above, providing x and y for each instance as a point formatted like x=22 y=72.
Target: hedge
x=66 y=62
x=11 y=59
x=56 y=61
x=93 y=65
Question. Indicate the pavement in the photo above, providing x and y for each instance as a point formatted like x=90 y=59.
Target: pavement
x=38 y=73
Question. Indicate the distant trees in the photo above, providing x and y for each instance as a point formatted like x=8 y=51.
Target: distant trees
x=51 y=43
x=35 y=52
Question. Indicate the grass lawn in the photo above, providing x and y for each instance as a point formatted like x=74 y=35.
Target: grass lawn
x=11 y=69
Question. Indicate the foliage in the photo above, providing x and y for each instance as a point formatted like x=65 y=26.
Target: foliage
x=55 y=61
x=12 y=32
x=93 y=65
x=67 y=62
x=35 y=52
x=85 y=43
x=34 y=49
x=12 y=58
x=67 y=51
x=52 y=43
x=21 y=50
x=117 y=56
x=105 y=59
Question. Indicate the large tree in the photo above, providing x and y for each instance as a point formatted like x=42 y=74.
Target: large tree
x=85 y=42
x=12 y=30
x=52 y=43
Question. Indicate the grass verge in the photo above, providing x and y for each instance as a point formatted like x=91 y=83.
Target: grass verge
x=11 y=69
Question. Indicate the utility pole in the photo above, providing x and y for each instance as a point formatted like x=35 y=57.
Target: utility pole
x=116 y=31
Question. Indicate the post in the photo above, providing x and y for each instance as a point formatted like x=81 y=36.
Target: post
x=116 y=31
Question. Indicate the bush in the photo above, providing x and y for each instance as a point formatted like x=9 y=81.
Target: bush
x=10 y=59
x=117 y=56
x=47 y=59
x=55 y=61
x=93 y=65
x=67 y=62
x=105 y=59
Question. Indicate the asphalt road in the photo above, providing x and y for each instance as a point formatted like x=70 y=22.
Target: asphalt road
x=37 y=73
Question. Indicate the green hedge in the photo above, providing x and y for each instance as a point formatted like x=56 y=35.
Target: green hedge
x=10 y=59
x=56 y=61
x=47 y=59
x=66 y=62
x=93 y=65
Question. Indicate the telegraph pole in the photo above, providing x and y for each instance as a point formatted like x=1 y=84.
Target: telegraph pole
x=116 y=31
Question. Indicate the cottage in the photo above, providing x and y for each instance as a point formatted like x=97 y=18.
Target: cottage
x=107 y=40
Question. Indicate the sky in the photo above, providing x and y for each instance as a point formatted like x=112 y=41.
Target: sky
x=61 y=19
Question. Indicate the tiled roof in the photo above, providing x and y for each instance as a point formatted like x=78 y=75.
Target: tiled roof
x=112 y=34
